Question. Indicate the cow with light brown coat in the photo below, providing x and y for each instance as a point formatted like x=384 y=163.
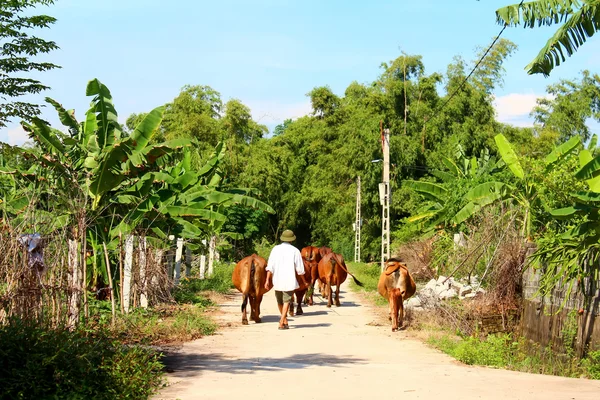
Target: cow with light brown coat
x=396 y=285
x=249 y=277
x=333 y=272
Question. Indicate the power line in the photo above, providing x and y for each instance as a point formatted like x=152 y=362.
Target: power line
x=472 y=71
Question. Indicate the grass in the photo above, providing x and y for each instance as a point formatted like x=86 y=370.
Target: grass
x=368 y=275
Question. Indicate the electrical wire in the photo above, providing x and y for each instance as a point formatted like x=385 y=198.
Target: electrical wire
x=464 y=82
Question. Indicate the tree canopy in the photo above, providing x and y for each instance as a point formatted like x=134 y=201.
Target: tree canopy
x=18 y=48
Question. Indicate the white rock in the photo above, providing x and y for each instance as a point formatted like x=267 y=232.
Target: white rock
x=441 y=279
x=470 y=295
x=431 y=284
x=448 y=294
x=439 y=289
x=465 y=290
x=413 y=302
x=457 y=285
x=480 y=290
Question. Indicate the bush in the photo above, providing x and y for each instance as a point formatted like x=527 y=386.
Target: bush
x=591 y=364
x=39 y=362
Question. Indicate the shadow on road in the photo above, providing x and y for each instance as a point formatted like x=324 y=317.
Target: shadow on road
x=321 y=325
x=188 y=365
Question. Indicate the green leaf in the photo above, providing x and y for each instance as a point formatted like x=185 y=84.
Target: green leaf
x=66 y=117
x=560 y=152
x=568 y=212
x=191 y=211
x=593 y=142
x=434 y=190
x=145 y=129
x=423 y=216
x=44 y=135
x=454 y=170
x=444 y=176
x=486 y=191
x=587 y=196
x=509 y=156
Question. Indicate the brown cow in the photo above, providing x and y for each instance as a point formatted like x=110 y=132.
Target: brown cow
x=396 y=285
x=301 y=291
x=249 y=277
x=333 y=272
x=311 y=257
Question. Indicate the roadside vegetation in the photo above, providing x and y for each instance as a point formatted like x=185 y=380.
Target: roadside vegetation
x=93 y=213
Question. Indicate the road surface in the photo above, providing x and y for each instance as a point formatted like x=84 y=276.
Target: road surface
x=339 y=353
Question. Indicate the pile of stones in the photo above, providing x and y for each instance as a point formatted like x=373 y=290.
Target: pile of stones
x=441 y=289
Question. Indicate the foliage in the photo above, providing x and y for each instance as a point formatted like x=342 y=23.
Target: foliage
x=580 y=20
x=515 y=353
x=570 y=104
x=219 y=282
x=75 y=364
x=19 y=56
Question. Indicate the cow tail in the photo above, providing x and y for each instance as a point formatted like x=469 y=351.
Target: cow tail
x=249 y=285
x=359 y=283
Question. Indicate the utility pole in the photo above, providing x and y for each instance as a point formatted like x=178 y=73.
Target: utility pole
x=384 y=195
x=357 y=224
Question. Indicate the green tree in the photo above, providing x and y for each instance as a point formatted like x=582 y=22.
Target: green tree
x=580 y=20
x=18 y=50
x=195 y=114
x=570 y=105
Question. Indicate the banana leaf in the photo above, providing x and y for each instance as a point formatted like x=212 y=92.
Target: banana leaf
x=509 y=156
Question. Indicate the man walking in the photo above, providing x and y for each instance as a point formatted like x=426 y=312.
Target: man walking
x=284 y=263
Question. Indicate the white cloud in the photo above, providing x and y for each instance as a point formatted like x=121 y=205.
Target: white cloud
x=514 y=108
x=16 y=136
x=274 y=113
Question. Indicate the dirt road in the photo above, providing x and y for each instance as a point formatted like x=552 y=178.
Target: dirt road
x=338 y=354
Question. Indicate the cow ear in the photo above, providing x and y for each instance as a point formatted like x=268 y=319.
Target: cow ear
x=390 y=269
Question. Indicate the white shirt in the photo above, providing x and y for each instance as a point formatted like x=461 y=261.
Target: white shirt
x=284 y=260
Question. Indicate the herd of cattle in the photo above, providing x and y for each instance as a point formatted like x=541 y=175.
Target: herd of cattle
x=327 y=268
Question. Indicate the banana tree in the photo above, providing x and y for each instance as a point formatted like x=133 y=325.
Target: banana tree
x=580 y=20
x=575 y=254
x=525 y=193
x=443 y=198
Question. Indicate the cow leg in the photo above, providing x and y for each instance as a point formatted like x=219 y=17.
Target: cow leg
x=299 y=297
x=257 y=302
x=244 y=315
x=328 y=293
x=291 y=310
x=401 y=312
x=252 y=307
x=337 y=295
x=395 y=301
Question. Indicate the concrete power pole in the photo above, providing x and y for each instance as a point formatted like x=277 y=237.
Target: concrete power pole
x=357 y=224
x=384 y=193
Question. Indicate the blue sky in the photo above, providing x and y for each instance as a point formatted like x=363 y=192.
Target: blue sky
x=270 y=53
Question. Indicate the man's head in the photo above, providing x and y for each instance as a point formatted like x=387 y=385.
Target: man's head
x=287 y=236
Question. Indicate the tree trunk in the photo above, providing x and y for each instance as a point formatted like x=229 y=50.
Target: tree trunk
x=121 y=272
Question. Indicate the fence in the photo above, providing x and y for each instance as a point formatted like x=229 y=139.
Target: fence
x=544 y=322
x=44 y=278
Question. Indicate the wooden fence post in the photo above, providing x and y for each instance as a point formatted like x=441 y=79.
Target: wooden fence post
x=178 y=255
x=142 y=247
x=211 y=254
x=202 y=266
x=74 y=284
x=127 y=272
x=188 y=262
